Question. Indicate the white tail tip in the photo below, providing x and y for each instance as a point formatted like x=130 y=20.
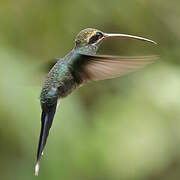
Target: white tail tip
x=37 y=169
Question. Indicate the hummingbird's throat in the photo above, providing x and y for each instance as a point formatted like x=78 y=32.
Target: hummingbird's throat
x=88 y=49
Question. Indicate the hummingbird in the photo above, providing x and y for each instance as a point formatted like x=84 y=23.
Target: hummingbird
x=80 y=66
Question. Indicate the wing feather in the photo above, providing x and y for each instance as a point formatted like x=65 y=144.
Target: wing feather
x=106 y=67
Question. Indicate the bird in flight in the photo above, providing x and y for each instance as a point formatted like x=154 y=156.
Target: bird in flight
x=80 y=66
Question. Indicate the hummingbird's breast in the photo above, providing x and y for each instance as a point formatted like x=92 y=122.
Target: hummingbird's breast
x=59 y=82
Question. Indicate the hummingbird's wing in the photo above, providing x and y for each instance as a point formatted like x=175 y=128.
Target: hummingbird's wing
x=106 y=67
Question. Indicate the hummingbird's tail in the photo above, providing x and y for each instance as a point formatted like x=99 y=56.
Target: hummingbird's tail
x=46 y=122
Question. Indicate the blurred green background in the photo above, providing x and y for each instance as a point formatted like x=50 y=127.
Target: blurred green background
x=126 y=128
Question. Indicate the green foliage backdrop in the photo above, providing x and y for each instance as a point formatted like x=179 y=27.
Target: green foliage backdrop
x=126 y=128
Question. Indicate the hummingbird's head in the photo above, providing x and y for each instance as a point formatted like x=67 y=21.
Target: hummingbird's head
x=88 y=40
x=88 y=37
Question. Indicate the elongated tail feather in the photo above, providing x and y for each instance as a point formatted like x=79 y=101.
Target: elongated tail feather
x=47 y=117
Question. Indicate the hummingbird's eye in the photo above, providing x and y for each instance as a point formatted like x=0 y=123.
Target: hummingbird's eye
x=95 y=37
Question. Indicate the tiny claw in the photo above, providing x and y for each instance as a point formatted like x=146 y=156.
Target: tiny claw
x=37 y=169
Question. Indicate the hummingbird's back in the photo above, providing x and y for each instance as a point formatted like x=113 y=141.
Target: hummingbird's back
x=60 y=81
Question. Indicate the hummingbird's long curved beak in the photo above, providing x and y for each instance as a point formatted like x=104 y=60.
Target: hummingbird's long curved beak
x=126 y=36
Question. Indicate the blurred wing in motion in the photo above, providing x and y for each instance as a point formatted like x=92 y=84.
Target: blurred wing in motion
x=46 y=67
x=39 y=70
x=106 y=67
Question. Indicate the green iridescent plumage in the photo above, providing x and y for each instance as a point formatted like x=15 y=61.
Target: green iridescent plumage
x=78 y=67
